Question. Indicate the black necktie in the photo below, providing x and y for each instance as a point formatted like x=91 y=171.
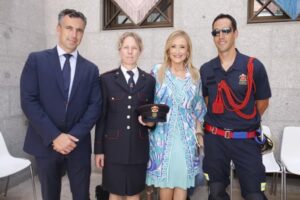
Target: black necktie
x=66 y=71
x=130 y=81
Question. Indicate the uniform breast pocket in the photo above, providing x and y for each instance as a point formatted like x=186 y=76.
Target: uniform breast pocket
x=238 y=83
x=115 y=102
x=239 y=90
x=143 y=98
x=112 y=135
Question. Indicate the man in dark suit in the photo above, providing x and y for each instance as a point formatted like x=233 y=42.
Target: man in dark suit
x=60 y=96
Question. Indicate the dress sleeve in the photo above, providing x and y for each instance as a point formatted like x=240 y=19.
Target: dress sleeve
x=199 y=104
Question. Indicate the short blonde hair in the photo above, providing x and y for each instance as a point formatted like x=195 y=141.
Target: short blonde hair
x=188 y=61
x=135 y=36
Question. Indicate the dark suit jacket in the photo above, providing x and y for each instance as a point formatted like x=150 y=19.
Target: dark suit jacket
x=44 y=103
x=119 y=135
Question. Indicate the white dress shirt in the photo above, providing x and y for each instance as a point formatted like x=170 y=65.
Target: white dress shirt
x=127 y=76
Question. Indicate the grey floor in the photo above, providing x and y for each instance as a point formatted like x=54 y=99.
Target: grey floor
x=23 y=191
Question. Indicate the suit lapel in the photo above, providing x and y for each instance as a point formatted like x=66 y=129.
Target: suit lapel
x=78 y=75
x=55 y=64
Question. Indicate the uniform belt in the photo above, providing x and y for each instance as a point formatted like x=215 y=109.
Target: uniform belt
x=230 y=134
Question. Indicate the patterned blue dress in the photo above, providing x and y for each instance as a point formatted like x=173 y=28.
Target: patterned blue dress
x=174 y=161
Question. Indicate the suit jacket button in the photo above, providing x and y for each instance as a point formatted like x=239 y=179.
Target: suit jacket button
x=128 y=127
x=129 y=107
x=128 y=116
x=129 y=97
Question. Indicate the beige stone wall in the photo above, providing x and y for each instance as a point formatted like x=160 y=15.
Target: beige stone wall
x=22 y=30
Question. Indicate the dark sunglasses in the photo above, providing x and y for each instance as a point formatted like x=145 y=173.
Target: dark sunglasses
x=217 y=32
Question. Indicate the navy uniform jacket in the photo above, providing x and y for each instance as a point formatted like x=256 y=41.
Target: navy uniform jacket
x=44 y=103
x=119 y=135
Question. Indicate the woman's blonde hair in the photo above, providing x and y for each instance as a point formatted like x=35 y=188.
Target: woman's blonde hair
x=135 y=36
x=187 y=62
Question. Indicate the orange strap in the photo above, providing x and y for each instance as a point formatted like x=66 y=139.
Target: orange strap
x=235 y=104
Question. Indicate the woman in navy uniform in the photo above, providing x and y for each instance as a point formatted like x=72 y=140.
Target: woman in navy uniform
x=121 y=142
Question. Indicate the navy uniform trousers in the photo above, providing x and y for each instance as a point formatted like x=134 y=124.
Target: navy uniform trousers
x=247 y=159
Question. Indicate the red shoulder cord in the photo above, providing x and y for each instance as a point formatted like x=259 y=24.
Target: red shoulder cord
x=236 y=104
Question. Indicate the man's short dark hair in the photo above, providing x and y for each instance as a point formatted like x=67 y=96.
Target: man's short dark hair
x=227 y=16
x=71 y=13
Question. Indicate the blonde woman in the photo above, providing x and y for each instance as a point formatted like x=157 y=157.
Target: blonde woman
x=121 y=142
x=174 y=161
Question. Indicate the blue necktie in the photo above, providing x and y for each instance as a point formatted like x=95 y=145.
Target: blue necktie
x=66 y=71
x=131 y=81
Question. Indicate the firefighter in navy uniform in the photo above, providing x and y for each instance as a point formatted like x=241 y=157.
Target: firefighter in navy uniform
x=121 y=142
x=237 y=91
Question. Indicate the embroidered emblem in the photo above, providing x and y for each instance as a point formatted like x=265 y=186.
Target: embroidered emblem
x=154 y=111
x=243 y=79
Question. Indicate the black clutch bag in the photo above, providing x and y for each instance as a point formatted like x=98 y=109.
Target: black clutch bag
x=101 y=194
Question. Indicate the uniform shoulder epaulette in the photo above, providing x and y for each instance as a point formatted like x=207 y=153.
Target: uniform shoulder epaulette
x=111 y=71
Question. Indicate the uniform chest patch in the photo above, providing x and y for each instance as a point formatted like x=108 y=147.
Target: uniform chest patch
x=243 y=79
